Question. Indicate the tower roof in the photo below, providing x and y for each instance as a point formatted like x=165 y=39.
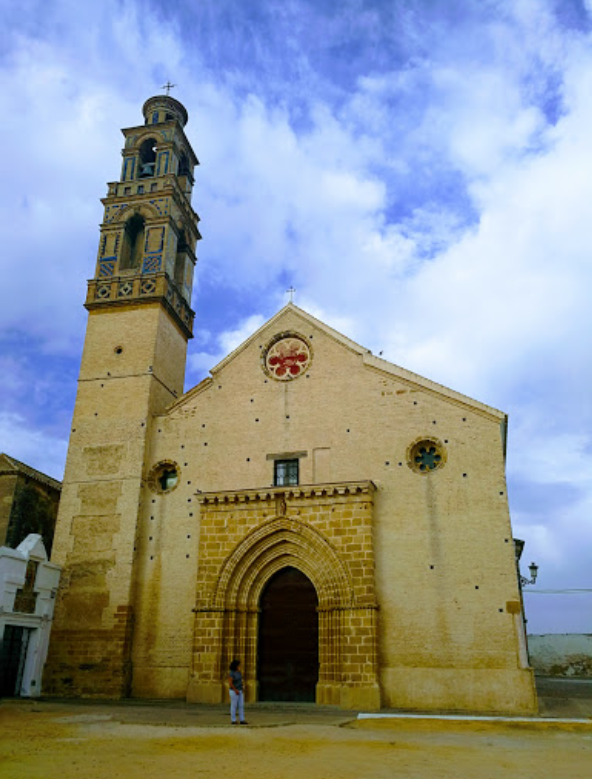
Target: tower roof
x=169 y=105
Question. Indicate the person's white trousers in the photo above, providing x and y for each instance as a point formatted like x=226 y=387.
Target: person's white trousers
x=237 y=700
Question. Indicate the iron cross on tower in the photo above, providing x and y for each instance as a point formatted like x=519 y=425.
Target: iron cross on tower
x=168 y=86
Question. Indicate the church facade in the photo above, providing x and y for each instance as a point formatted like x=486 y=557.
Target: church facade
x=337 y=523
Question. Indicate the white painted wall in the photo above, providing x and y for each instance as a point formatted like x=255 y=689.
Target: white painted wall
x=13 y=567
x=561 y=654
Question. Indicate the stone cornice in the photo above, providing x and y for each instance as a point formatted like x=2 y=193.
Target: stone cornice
x=289 y=493
x=118 y=291
x=170 y=188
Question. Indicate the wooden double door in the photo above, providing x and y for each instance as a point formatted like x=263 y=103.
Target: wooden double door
x=13 y=654
x=288 y=641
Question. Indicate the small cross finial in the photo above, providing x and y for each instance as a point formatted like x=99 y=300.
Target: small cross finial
x=168 y=86
x=291 y=292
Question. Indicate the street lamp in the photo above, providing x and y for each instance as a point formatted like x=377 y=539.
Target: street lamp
x=534 y=569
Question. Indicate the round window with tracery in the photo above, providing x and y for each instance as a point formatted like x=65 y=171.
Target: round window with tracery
x=287 y=358
x=426 y=455
x=164 y=476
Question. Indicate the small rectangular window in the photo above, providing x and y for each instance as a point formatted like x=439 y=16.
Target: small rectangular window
x=153 y=187
x=127 y=190
x=285 y=473
x=155 y=117
x=140 y=189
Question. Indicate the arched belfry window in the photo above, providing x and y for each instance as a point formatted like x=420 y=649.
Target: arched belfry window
x=184 y=169
x=133 y=243
x=147 y=158
x=180 y=259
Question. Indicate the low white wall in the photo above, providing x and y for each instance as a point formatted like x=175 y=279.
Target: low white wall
x=561 y=654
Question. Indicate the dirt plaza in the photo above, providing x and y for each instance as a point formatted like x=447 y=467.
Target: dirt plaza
x=63 y=740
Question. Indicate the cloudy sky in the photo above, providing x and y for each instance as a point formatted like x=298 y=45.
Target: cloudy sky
x=420 y=171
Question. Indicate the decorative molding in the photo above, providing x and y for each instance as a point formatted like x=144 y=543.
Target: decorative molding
x=292 y=354
x=302 y=491
x=426 y=462
x=124 y=290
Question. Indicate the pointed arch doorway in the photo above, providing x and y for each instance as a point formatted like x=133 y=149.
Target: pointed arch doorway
x=288 y=638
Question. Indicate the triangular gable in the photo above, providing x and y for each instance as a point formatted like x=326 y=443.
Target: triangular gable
x=12 y=465
x=370 y=361
x=342 y=339
x=33 y=547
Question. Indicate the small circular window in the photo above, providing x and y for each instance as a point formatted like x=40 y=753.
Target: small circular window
x=164 y=476
x=426 y=455
x=287 y=357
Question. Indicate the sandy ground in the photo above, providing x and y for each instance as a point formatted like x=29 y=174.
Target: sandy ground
x=94 y=741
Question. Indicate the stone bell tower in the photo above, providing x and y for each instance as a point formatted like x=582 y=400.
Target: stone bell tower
x=133 y=366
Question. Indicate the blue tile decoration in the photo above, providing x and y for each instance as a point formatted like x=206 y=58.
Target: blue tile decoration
x=152 y=235
x=152 y=263
x=129 y=168
x=148 y=287
x=103 y=292
x=107 y=266
x=163 y=163
x=114 y=211
x=161 y=205
x=125 y=289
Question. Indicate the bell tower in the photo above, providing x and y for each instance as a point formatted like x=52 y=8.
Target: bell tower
x=133 y=366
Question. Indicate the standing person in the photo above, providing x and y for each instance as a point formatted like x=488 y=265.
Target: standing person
x=237 y=700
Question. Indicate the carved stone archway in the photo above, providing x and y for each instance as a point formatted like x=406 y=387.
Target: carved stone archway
x=333 y=550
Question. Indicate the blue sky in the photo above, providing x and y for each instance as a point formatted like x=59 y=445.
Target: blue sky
x=420 y=171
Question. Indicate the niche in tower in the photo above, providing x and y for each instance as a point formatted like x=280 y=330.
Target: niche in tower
x=185 y=174
x=133 y=243
x=147 y=156
x=184 y=169
x=180 y=259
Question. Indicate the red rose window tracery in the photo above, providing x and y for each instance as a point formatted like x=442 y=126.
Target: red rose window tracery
x=287 y=358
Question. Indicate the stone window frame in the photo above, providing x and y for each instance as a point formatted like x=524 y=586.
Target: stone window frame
x=291 y=467
x=279 y=337
x=427 y=440
x=157 y=470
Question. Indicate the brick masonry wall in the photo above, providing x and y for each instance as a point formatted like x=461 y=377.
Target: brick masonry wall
x=444 y=568
x=443 y=572
x=7 y=488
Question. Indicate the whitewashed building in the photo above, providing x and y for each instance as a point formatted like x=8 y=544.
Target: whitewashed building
x=28 y=586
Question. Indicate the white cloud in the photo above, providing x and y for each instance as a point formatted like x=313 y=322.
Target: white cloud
x=435 y=207
x=46 y=453
x=225 y=342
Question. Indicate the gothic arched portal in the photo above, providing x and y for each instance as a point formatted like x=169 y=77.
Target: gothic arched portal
x=239 y=612
x=288 y=638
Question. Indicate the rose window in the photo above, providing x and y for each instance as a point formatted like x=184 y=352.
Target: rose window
x=164 y=476
x=426 y=455
x=287 y=358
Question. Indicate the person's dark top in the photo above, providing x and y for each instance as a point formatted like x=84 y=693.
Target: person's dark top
x=237 y=679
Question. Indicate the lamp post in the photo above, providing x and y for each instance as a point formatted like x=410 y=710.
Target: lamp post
x=522 y=582
x=534 y=569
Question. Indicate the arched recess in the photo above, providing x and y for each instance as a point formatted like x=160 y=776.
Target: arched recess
x=227 y=620
x=147 y=158
x=132 y=247
x=145 y=210
x=184 y=166
x=288 y=638
x=269 y=547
